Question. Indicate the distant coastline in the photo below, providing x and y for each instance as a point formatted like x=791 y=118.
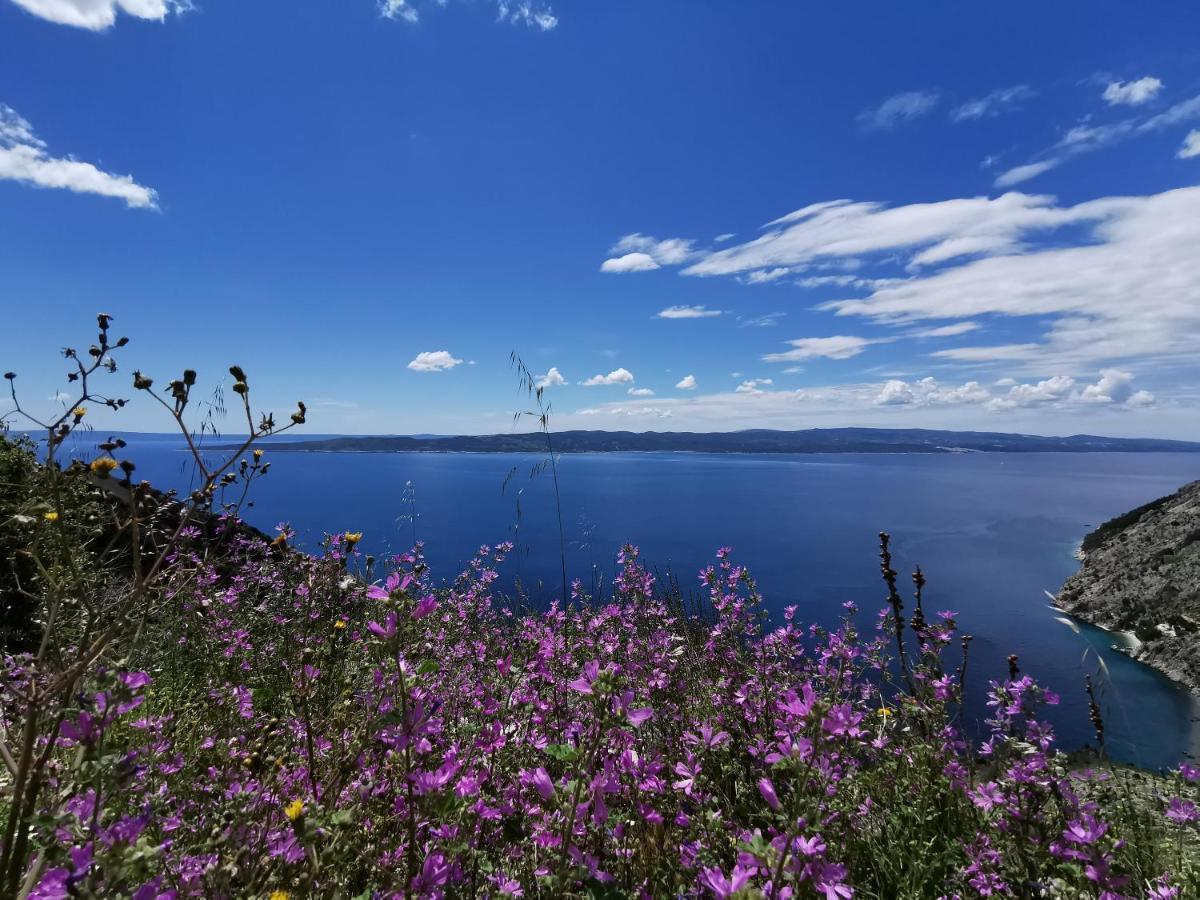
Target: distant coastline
x=814 y=440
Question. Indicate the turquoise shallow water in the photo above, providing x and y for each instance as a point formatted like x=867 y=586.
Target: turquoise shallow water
x=993 y=532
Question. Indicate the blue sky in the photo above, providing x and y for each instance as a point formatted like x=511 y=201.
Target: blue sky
x=767 y=215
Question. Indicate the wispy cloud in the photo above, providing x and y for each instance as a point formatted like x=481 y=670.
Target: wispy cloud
x=24 y=158
x=943 y=331
x=1191 y=146
x=1132 y=93
x=535 y=13
x=897 y=109
x=686 y=383
x=687 y=312
x=641 y=253
x=768 y=320
x=640 y=392
x=996 y=103
x=434 y=361
x=98 y=15
x=1111 y=279
x=840 y=346
x=1019 y=174
x=1088 y=138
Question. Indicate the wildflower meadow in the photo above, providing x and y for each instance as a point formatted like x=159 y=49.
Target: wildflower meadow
x=191 y=708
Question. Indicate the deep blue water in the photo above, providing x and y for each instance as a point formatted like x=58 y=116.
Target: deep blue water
x=993 y=532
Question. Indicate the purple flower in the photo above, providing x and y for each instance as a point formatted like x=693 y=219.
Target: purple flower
x=830 y=881
x=767 y=789
x=387 y=629
x=135 y=680
x=1085 y=830
x=714 y=879
x=1181 y=811
x=542 y=783
x=427 y=604
x=689 y=772
x=583 y=684
x=799 y=705
x=987 y=796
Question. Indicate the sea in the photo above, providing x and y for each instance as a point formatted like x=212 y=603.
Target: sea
x=996 y=535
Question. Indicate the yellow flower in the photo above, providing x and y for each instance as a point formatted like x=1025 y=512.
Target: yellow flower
x=279 y=895
x=353 y=537
x=102 y=465
x=79 y=412
x=258 y=452
x=51 y=516
x=294 y=810
x=339 y=624
x=885 y=713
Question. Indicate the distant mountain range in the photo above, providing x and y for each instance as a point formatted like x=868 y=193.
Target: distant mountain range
x=813 y=440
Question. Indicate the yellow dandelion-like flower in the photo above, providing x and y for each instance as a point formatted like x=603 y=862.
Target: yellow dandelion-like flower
x=340 y=624
x=885 y=713
x=51 y=516
x=258 y=452
x=102 y=466
x=279 y=895
x=79 y=412
x=294 y=810
x=353 y=537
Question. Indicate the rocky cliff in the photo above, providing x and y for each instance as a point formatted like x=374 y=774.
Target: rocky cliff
x=1141 y=573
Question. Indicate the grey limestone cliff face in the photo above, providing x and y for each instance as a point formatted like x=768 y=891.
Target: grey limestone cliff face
x=1141 y=573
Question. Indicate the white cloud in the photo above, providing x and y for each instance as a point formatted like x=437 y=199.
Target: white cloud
x=928 y=391
x=985 y=354
x=630 y=262
x=616 y=376
x=766 y=276
x=753 y=386
x=935 y=233
x=611 y=410
x=687 y=312
x=841 y=346
x=1106 y=280
x=97 y=15
x=1129 y=289
x=1132 y=93
x=945 y=330
x=1088 y=138
x=640 y=392
x=722 y=238
x=1191 y=145
x=686 y=383
x=768 y=320
x=535 y=13
x=900 y=108
x=552 y=378
x=434 y=361
x=642 y=253
x=23 y=158
x=1019 y=174
x=1038 y=407
x=993 y=104
x=1116 y=387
